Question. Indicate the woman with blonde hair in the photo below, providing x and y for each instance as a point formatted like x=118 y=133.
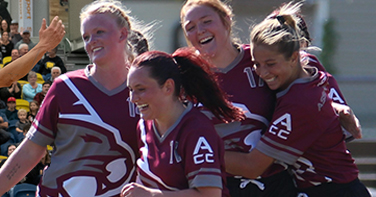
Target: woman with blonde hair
x=94 y=148
x=305 y=132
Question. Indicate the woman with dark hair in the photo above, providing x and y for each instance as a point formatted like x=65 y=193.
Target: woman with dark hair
x=173 y=134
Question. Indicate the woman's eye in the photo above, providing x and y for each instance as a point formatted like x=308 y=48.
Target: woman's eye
x=190 y=28
x=207 y=21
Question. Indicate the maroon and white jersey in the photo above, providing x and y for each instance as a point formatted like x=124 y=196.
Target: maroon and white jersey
x=189 y=155
x=335 y=93
x=94 y=134
x=247 y=91
x=305 y=133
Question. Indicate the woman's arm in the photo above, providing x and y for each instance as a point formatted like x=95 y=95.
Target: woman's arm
x=22 y=160
x=137 y=190
x=48 y=38
x=249 y=165
x=348 y=120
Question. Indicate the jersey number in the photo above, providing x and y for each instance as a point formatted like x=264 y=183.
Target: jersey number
x=251 y=78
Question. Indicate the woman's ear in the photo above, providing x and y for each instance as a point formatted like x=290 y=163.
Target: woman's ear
x=295 y=57
x=123 y=34
x=169 y=86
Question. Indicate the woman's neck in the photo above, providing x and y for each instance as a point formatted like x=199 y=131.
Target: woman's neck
x=110 y=76
x=225 y=56
x=171 y=115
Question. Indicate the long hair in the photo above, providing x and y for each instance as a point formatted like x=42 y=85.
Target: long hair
x=280 y=30
x=194 y=80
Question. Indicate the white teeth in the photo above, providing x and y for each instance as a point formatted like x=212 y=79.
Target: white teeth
x=205 y=39
x=97 y=49
x=142 y=106
x=269 y=80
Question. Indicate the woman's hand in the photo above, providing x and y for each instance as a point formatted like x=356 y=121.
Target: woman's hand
x=348 y=120
x=135 y=189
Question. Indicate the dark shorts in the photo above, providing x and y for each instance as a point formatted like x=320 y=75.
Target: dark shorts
x=280 y=184
x=353 y=189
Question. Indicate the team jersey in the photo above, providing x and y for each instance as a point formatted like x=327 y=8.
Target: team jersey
x=189 y=155
x=93 y=131
x=335 y=93
x=305 y=133
x=247 y=91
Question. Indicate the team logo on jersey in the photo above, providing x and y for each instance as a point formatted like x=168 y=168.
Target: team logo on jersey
x=333 y=94
x=282 y=126
x=203 y=146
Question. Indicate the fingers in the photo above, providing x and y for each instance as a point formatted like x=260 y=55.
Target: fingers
x=43 y=27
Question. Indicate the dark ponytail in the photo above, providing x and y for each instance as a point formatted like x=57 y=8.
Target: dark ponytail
x=194 y=80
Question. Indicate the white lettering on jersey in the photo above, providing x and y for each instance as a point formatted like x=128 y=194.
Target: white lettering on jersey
x=251 y=78
x=333 y=94
x=285 y=121
x=133 y=110
x=174 y=153
x=322 y=100
x=202 y=144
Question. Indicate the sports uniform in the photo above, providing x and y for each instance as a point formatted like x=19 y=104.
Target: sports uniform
x=334 y=92
x=306 y=134
x=247 y=91
x=94 y=134
x=188 y=155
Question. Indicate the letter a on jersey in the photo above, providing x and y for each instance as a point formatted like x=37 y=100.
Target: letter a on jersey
x=200 y=158
x=202 y=144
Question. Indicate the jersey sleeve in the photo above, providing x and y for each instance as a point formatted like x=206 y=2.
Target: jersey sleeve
x=44 y=127
x=203 y=156
x=291 y=132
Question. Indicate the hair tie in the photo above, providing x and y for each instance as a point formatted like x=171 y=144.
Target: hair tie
x=280 y=19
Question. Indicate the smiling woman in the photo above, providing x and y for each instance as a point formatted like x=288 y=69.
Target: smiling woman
x=173 y=133
x=75 y=117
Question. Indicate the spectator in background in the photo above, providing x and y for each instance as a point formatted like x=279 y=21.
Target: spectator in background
x=6 y=46
x=33 y=110
x=11 y=111
x=22 y=116
x=15 y=55
x=14 y=35
x=4 y=135
x=25 y=39
x=45 y=87
x=23 y=49
x=11 y=149
x=32 y=88
x=12 y=91
x=24 y=131
x=55 y=72
x=4 y=13
x=51 y=60
x=4 y=26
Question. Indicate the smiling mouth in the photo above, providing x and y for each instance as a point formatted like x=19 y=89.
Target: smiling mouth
x=142 y=107
x=269 y=80
x=206 y=40
x=97 y=49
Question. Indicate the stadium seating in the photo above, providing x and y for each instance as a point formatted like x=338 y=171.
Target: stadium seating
x=7 y=59
x=22 y=104
x=23 y=190
x=40 y=78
